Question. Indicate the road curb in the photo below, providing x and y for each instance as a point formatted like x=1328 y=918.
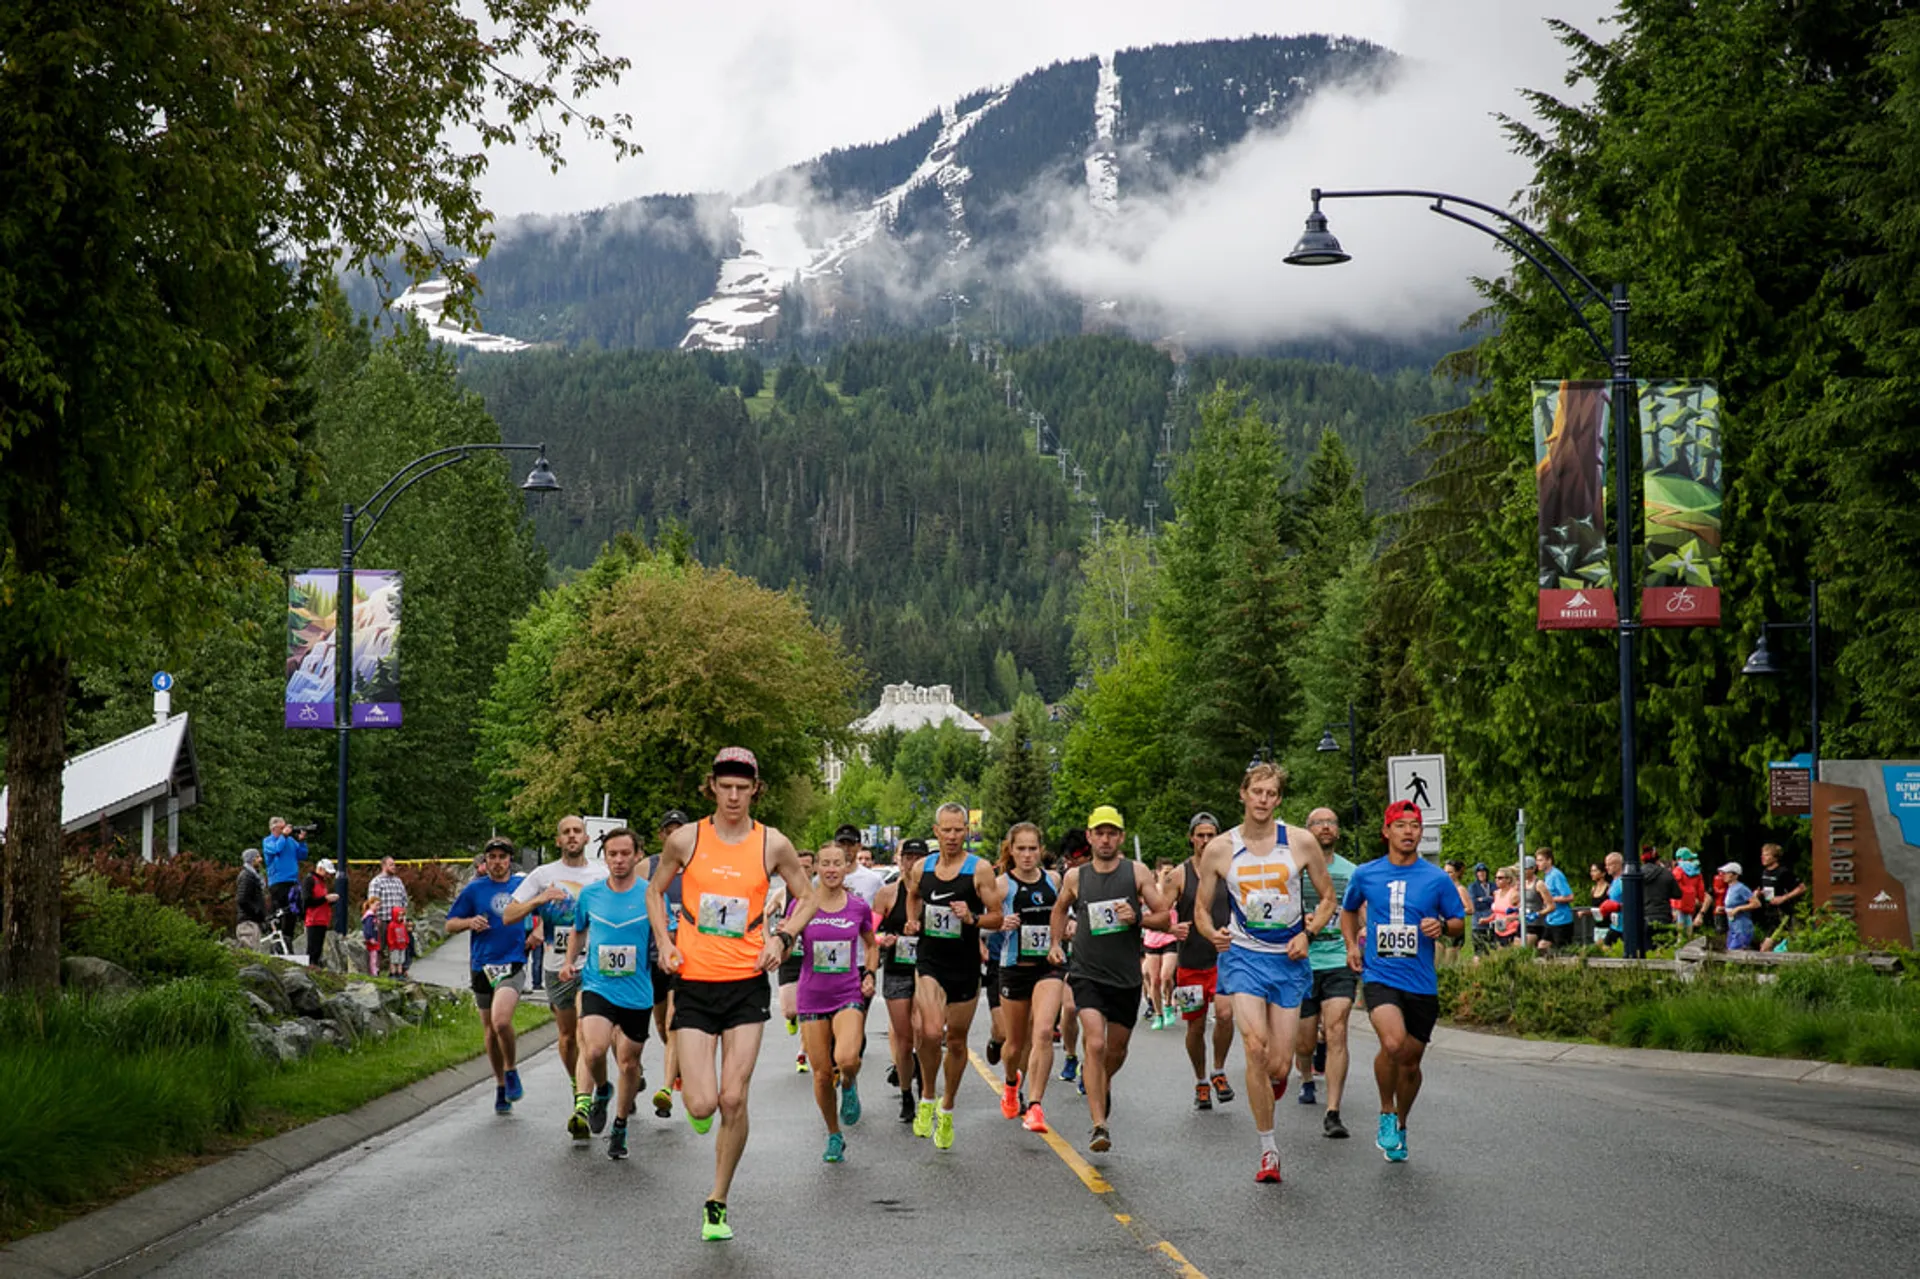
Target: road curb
x=1544 y=1052
x=119 y=1230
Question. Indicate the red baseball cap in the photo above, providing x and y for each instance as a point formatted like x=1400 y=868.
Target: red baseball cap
x=1396 y=810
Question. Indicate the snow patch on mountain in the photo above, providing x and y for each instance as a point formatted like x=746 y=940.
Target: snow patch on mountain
x=1103 y=162
x=773 y=252
x=428 y=300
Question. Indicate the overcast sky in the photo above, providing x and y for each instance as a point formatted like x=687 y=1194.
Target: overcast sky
x=721 y=94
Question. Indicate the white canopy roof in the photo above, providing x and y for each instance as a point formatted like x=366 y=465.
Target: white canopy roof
x=148 y=764
x=910 y=706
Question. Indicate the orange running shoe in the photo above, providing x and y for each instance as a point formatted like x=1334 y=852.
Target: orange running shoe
x=1010 y=1100
x=1036 y=1120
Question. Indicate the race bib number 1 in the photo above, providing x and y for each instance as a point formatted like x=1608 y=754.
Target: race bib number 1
x=1396 y=941
x=833 y=956
x=1104 y=917
x=617 y=961
x=1036 y=939
x=722 y=916
x=942 y=922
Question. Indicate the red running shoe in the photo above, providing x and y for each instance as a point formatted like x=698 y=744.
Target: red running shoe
x=1269 y=1168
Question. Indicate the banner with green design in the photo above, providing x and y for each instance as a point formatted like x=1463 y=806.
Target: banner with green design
x=1681 y=475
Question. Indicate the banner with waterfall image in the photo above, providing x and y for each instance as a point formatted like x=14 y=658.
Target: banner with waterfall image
x=1570 y=423
x=312 y=615
x=1680 y=468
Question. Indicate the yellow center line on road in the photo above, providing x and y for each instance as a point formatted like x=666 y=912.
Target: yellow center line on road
x=1098 y=1184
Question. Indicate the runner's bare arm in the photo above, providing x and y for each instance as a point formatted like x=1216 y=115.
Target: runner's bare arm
x=1350 y=929
x=987 y=884
x=1062 y=905
x=783 y=861
x=1213 y=862
x=1009 y=920
x=516 y=910
x=911 y=878
x=571 y=968
x=673 y=855
x=1158 y=907
x=882 y=906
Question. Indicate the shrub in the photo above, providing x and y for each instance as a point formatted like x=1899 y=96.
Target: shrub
x=153 y=941
x=1560 y=1001
x=199 y=887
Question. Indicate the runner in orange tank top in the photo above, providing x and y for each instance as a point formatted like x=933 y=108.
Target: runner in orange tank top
x=721 y=954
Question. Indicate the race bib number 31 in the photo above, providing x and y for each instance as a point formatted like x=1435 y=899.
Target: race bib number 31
x=617 y=961
x=833 y=956
x=722 y=916
x=1104 y=917
x=942 y=922
x=1396 y=941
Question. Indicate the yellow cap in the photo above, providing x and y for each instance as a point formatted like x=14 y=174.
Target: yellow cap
x=1105 y=815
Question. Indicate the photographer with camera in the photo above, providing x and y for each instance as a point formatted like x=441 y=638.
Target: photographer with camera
x=285 y=849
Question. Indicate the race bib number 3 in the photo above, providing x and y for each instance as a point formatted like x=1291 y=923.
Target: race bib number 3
x=1396 y=941
x=1189 y=999
x=942 y=922
x=1104 y=917
x=617 y=961
x=722 y=916
x=1036 y=939
x=833 y=956
x=907 y=951
x=497 y=973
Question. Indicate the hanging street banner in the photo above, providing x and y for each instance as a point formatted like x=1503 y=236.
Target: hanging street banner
x=1570 y=423
x=1680 y=469
x=312 y=613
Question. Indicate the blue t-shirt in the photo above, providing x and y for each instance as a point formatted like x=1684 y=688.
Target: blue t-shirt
x=1740 y=933
x=613 y=944
x=501 y=943
x=1396 y=953
x=1557 y=886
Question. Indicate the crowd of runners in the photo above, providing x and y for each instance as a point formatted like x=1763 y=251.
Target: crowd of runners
x=1068 y=954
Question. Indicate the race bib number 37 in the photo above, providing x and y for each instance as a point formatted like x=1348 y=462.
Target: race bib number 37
x=1396 y=941
x=722 y=916
x=1036 y=939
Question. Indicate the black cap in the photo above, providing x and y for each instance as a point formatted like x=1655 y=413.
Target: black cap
x=672 y=817
x=847 y=834
x=913 y=848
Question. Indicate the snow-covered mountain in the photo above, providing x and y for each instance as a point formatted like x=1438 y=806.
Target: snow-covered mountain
x=919 y=230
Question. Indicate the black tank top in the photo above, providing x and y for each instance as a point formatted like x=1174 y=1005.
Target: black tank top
x=1034 y=904
x=892 y=922
x=1196 y=951
x=1104 y=949
x=946 y=943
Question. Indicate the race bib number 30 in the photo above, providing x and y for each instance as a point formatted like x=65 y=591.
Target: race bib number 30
x=617 y=961
x=1396 y=941
x=942 y=922
x=907 y=951
x=1104 y=917
x=1036 y=939
x=833 y=956
x=722 y=916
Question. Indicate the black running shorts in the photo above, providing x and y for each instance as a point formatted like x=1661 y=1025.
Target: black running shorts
x=716 y=1007
x=1419 y=1012
x=634 y=1023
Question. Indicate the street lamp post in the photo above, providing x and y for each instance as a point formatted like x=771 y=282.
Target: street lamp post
x=353 y=535
x=1328 y=745
x=1318 y=247
x=1761 y=663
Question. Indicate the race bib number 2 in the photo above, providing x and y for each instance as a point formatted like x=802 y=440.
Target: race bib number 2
x=722 y=916
x=1265 y=909
x=1396 y=941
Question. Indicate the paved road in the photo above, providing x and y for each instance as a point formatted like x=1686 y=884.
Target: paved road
x=1517 y=1169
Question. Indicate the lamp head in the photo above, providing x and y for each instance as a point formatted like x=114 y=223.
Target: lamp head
x=1326 y=741
x=1317 y=245
x=541 y=479
x=1761 y=660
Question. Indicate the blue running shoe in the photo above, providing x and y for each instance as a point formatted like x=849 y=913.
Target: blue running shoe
x=1306 y=1093
x=836 y=1148
x=1069 y=1071
x=514 y=1091
x=849 y=1104
x=1388 y=1138
x=1398 y=1155
x=501 y=1106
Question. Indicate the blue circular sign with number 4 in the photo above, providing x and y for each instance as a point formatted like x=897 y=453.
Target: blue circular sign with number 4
x=162 y=681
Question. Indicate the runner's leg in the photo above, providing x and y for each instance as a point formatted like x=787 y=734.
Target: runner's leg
x=1018 y=1014
x=1283 y=1025
x=1335 y=1015
x=1044 y=1016
x=817 y=1038
x=1404 y=1054
x=739 y=1046
x=1222 y=1031
x=959 y=1022
x=627 y=1054
x=590 y=1071
x=1250 y=1015
x=699 y=1082
x=1093 y=1034
x=930 y=1009
x=500 y=1017
x=849 y=1037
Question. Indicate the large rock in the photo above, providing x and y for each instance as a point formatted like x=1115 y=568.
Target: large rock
x=258 y=1009
x=96 y=976
x=360 y=1003
x=263 y=983
x=349 y=1014
x=295 y=1039
x=302 y=993
x=266 y=1043
x=330 y=1031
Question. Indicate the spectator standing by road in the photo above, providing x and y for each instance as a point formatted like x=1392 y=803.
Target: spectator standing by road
x=1480 y=894
x=337 y=928
x=1693 y=890
x=1740 y=907
x=1658 y=889
x=249 y=901
x=1597 y=885
x=1503 y=919
x=1556 y=925
x=1780 y=888
x=320 y=902
x=1609 y=907
x=284 y=852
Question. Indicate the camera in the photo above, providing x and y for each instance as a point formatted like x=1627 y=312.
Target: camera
x=303 y=833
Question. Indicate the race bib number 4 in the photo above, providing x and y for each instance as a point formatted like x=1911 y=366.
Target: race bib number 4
x=1396 y=941
x=1036 y=939
x=722 y=916
x=1189 y=999
x=906 y=951
x=617 y=961
x=942 y=922
x=833 y=956
x=1104 y=917
x=497 y=973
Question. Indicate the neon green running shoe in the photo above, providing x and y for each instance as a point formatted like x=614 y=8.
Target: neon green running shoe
x=577 y=1123
x=923 y=1120
x=701 y=1126
x=943 y=1131
x=714 y=1229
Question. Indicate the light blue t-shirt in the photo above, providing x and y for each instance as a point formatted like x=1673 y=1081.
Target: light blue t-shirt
x=1557 y=886
x=1398 y=898
x=614 y=935
x=1740 y=932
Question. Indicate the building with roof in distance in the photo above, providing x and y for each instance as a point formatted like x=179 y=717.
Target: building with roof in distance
x=906 y=707
x=133 y=782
